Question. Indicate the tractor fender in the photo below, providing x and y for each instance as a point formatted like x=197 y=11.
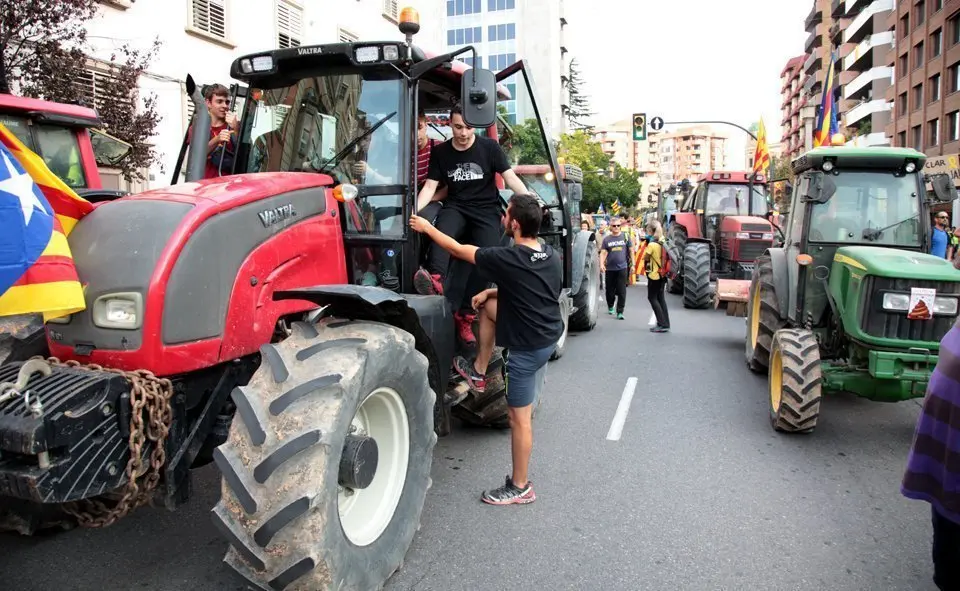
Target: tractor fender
x=781 y=278
x=579 y=254
x=428 y=318
x=688 y=221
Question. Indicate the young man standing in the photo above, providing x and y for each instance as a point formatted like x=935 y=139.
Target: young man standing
x=613 y=264
x=221 y=146
x=468 y=164
x=939 y=240
x=521 y=314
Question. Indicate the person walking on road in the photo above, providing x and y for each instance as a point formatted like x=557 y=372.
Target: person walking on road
x=653 y=262
x=521 y=314
x=613 y=264
x=939 y=239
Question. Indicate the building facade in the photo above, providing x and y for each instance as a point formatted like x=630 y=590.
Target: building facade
x=686 y=153
x=926 y=67
x=791 y=100
x=616 y=141
x=203 y=37
x=503 y=31
x=817 y=48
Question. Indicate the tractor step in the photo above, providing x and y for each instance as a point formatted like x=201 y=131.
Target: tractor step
x=732 y=295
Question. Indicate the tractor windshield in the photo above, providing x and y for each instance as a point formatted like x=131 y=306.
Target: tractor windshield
x=876 y=208
x=731 y=199
x=307 y=126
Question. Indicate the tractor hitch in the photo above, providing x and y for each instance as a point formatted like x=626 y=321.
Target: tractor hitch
x=732 y=295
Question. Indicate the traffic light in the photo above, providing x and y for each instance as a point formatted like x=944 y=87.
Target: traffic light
x=640 y=127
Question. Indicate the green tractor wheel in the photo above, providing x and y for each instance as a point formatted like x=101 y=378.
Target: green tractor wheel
x=794 y=381
x=763 y=317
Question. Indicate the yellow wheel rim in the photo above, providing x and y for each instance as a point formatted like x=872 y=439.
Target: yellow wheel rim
x=755 y=318
x=776 y=379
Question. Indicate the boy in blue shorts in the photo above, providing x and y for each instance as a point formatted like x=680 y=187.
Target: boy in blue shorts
x=521 y=314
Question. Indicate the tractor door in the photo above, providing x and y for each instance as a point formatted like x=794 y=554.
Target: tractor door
x=531 y=146
x=700 y=208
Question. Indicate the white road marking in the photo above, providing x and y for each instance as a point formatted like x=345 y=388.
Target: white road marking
x=653 y=319
x=616 y=427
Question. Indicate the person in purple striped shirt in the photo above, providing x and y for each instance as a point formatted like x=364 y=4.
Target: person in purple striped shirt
x=933 y=466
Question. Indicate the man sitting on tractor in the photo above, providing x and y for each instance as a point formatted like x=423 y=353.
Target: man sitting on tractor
x=221 y=146
x=467 y=163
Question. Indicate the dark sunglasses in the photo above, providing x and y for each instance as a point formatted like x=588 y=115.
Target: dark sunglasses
x=614 y=225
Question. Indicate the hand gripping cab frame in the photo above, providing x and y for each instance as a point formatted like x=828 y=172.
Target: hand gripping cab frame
x=264 y=321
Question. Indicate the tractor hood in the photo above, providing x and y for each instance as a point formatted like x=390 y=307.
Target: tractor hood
x=745 y=223
x=896 y=263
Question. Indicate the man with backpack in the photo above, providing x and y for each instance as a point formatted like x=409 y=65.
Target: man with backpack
x=657 y=265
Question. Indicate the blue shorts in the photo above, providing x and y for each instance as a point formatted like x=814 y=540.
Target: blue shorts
x=525 y=373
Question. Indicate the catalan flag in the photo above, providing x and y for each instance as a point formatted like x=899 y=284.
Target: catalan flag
x=827 y=120
x=37 y=213
x=615 y=208
x=600 y=210
x=761 y=156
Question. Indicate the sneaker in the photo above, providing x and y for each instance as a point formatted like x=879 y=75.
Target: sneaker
x=468 y=371
x=611 y=311
x=620 y=316
x=465 y=328
x=659 y=329
x=427 y=284
x=508 y=494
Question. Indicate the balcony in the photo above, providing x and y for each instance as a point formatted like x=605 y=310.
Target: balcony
x=814 y=18
x=866 y=46
x=855 y=30
x=815 y=39
x=813 y=62
x=838 y=8
x=853 y=89
x=865 y=109
x=877 y=138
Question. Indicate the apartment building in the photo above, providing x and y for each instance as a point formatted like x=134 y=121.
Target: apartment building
x=503 y=31
x=202 y=38
x=817 y=49
x=616 y=140
x=864 y=39
x=926 y=66
x=688 y=152
x=791 y=100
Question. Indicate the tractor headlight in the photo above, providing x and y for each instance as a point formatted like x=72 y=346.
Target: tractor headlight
x=945 y=306
x=743 y=235
x=896 y=302
x=118 y=310
x=768 y=236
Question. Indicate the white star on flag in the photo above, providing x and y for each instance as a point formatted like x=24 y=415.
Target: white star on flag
x=20 y=185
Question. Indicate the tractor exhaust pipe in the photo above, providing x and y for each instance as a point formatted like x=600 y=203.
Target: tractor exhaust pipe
x=197 y=158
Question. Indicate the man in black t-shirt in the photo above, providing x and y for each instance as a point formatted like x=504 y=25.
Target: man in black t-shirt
x=468 y=164
x=521 y=314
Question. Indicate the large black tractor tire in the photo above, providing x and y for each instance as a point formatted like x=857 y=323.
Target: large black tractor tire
x=21 y=337
x=763 y=317
x=585 y=300
x=290 y=521
x=696 y=276
x=488 y=409
x=561 y=347
x=678 y=239
x=794 y=381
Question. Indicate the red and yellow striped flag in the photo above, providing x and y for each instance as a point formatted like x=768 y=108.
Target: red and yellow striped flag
x=761 y=157
x=50 y=286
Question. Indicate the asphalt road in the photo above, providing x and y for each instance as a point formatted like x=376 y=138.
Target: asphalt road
x=698 y=493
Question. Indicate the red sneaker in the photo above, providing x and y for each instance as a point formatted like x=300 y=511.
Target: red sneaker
x=465 y=328
x=427 y=284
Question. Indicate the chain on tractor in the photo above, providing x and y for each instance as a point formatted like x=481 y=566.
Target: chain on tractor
x=149 y=393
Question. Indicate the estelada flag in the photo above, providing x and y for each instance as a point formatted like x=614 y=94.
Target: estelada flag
x=37 y=213
x=761 y=157
x=827 y=123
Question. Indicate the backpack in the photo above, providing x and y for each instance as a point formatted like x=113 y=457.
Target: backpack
x=666 y=263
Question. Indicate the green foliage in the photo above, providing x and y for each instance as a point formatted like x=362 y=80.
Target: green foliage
x=524 y=144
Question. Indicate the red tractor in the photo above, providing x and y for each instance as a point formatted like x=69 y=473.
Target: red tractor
x=265 y=321
x=717 y=232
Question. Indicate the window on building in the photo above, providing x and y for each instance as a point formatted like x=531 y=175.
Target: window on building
x=917 y=138
x=918 y=55
x=934 y=88
x=921 y=12
x=955 y=77
x=209 y=16
x=902 y=104
x=936 y=43
x=953 y=126
x=348 y=37
x=458 y=7
x=954 y=24
x=465 y=36
x=289 y=24
x=904 y=26
x=903 y=66
x=503 y=32
x=494 y=5
x=933 y=132
x=902 y=139
x=500 y=61
x=469 y=61
x=917 y=96
x=390 y=9
x=936 y=6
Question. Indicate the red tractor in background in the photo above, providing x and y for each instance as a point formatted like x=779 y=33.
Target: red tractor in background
x=717 y=232
x=266 y=321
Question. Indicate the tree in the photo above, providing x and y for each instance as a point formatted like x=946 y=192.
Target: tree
x=525 y=144
x=42 y=45
x=579 y=105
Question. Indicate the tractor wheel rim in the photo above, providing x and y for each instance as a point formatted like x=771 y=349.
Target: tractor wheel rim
x=776 y=379
x=755 y=318
x=365 y=514
x=594 y=294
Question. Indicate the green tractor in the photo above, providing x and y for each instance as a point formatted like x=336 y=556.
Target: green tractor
x=852 y=301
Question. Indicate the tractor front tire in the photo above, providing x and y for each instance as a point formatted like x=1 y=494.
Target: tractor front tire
x=678 y=236
x=300 y=506
x=763 y=317
x=795 y=381
x=696 y=276
x=585 y=300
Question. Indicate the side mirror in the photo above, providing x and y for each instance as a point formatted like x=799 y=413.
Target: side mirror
x=574 y=191
x=943 y=187
x=478 y=95
x=820 y=188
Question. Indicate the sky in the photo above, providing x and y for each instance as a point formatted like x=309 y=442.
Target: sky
x=686 y=60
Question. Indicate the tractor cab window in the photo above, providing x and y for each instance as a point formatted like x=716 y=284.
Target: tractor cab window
x=731 y=199
x=869 y=208
x=56 y=145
